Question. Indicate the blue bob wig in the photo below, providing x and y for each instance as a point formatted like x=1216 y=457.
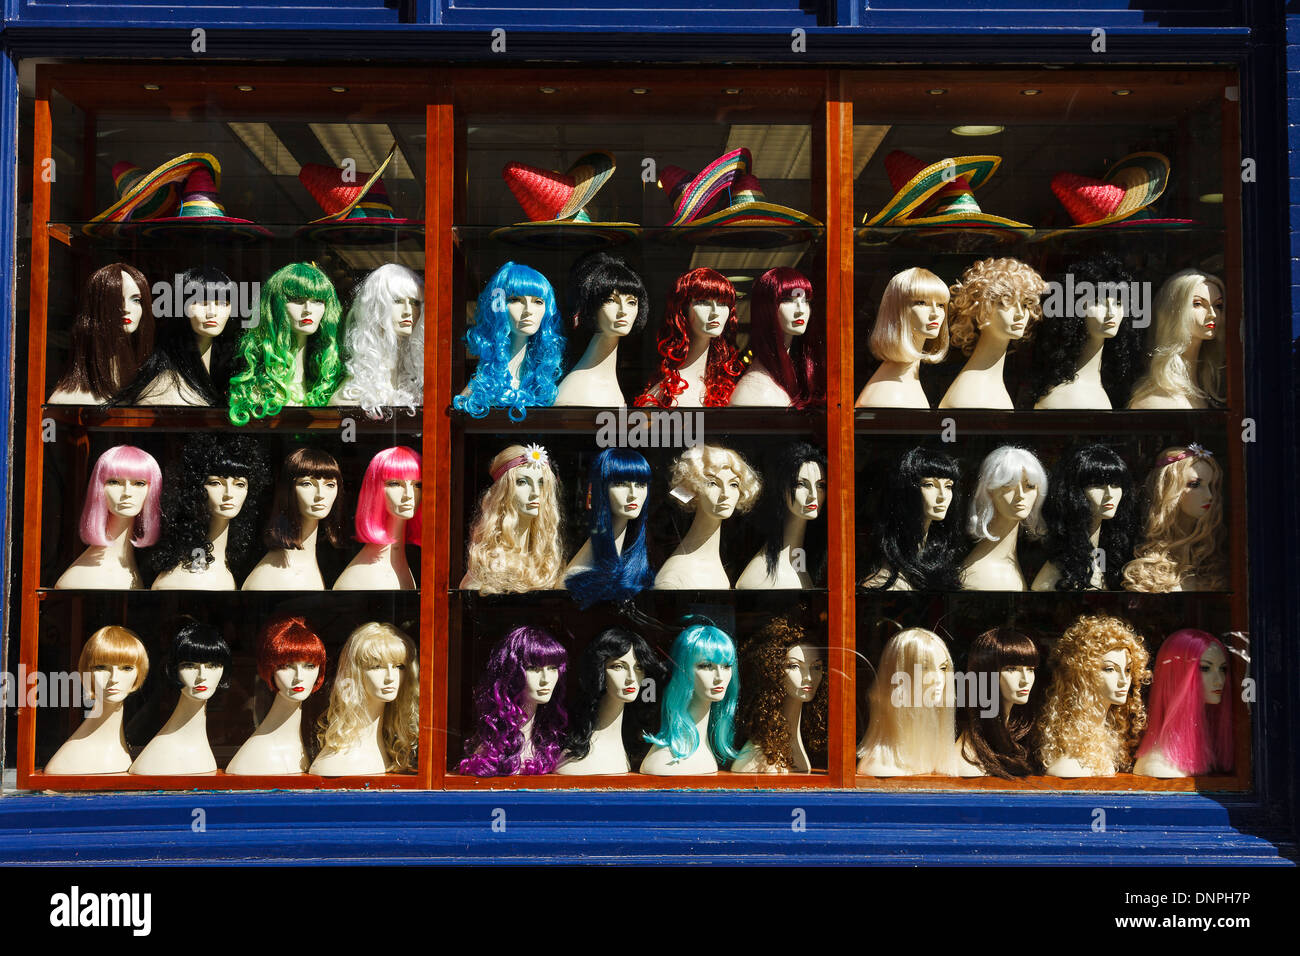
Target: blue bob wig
x=613 y=576
x=696 y=644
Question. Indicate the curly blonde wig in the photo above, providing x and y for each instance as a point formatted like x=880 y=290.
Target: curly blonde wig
x=1077 y=721
x=340 y=727
x=695 y=467
x=1170 y=335
x=762 y=708
x=912 y=727
x=507 y=554
x=1175 y=547
x=987 y=280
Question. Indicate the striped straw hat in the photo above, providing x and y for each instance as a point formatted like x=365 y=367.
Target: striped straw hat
x=144 y=196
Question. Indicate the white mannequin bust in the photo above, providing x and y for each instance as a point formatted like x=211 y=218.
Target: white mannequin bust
x=804 y=670
x=1207 y=315
x=711 y=680
x=132 y=311
x=994 y=565
x=182 y=747
x=898 y=384
x=1214 y=677
x=207 y=320
x=99 y=744
x=802 y=506
x=1113 y=683
x=623 y=677
x=383 y=567
x=295 y=569
x=1002 y=320
x=697 y=562
x=1102 y=320
x=379 y=686
x=626 y=502
x=226 y=495
x=1014 y=685
x=1104 y=503
x=111 y=566
x=593 y=381
x=757 y=386
x=276 y=745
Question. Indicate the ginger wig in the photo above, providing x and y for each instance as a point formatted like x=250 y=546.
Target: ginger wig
x=724 y=366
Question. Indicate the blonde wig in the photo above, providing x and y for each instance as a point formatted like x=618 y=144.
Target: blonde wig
x=987 y=280
x=694 y=468
x=340 y=727
x=1077 y=721
x=912 y=723
x=1169 y=337
x=505 y=556
x=112 y=646
x=891 y=340
x=1173 y=546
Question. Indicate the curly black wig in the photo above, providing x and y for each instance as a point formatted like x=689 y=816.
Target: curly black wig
x=638 y=716
x=1068 y=515
x=898 y=549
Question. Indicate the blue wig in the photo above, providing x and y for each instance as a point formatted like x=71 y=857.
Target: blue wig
x=489 y=340
x=613 y=576
x=696 y=644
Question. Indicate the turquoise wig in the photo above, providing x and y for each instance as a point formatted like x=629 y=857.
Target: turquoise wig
x=696 y=644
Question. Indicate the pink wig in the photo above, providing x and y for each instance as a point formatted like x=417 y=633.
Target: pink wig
x=800 y=372
x=391 y=464
x=122 y=461
x=1194 y=736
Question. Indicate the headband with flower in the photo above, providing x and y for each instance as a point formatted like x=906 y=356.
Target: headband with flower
x=533 y=455
x=1193 y=450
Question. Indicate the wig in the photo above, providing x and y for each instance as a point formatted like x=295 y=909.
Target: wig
x=989 y=280
x=1001 y=467
x=696 y=467
x=185 y=516
x=488 y=339
x=340 y=728
x=392 y=464
x=1194 y=736
x=761 y=720
x=286 y=641
x=996 y=745
x=724 y=366
x=1169 y=337
x=1077 y=720
x=613 y=575
x=197 y=643
x=780 y=481
x=498 y=742
x=1062 y=340
x=284 y=527
x=910 y=727
x=926 y=559
x=265 y=384
x=384 y=370
x=638 y=714
x=1067 y=513
x=130 y=463
x=891 y=339
x=102 y=354
x=505 y=556
x=696 y=644
x=113 y=646
x=801 y=371
x=1173 y=546
x=175 y=355
x=593 y=279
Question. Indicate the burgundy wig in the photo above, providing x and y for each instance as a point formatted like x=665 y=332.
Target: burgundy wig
x=801 y=372
x=285 y=641
x=1194 y=736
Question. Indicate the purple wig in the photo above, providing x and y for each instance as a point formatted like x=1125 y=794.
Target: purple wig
x=494 y=750
x=123 y=462
x=392 y=464
x=1194 y=736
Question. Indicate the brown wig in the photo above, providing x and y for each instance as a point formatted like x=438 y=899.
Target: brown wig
x=104 y=357
x=761 y=718
x=284 y=529
x=999 y=747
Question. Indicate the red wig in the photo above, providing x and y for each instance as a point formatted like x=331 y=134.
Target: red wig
x=1194 y=736
x=724 y=365
x=801 y=372
x=285 y=641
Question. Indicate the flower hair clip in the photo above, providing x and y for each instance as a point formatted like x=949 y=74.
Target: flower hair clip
x=1193 y=450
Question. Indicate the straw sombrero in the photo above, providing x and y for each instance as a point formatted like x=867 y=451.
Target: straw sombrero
x=356 y=205
x=1131 y=185
x=201 y=212
x=144 y=196
x=555 y=202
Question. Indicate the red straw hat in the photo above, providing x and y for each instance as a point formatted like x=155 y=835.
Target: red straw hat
x=555 y=202
x=1131 y=185
x=356 y=206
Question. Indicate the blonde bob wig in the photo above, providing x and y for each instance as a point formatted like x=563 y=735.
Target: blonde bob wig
x=986 y=281
x=340 y=727
x=1170 y=335
x=510 y=555
x=913 y=717
x=695 y=467
x=1077 y=721
x=112 y=646
x=1175 y=548
x=891 y=339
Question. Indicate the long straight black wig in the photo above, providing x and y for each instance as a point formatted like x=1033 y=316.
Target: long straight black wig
x=1068 y=515
x=898 y=549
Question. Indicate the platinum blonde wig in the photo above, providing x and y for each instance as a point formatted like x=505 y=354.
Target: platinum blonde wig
x=986 y=281
x=912 y=722
x=1173 y=546
x=384 y=370
x=1001 y=467
x=340 y=727
x=507 y=554
x=891 y=340
x=1169 y=337
x=694 y=468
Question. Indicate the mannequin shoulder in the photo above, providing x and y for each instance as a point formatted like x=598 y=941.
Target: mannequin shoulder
x=757 y=387
x=1046 y=578
x=1153 y=763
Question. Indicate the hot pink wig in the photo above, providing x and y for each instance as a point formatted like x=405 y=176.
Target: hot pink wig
x=391 y=464
x=122 y=461
x=1194 y=736
x=801 y=372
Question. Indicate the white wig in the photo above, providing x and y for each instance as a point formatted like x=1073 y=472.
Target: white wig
x=1004 y=466
x=372 y=349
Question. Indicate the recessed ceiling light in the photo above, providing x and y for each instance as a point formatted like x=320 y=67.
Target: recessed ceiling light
x=152 y=87
x=977 y=130
x=338 y=89
x=639 y=90
x=1212 y=198
x=732 y=90
x=1120 y=92
x=244 y=88
x=936 y=92
x=546 y=89
x=1030 y=92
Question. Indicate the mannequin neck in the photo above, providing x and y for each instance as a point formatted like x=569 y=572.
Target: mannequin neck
x=792 y=708
x=703 y=540
x=990 y=354
x=218 y=533
x=119 y=549
x=1007 y=705
x=787 y=339
x=925 y=533
x=300 y=360
x=307 y=541
x=189 y=717
x=518 y=349
x=105 y=723
x=1192 y=355
x=1007 y=531
x=618 y=529
x=1089 y=369
x=793 y=534
x=1094 y=531
x=903 y=372
x=601 y=354
x=701 y=707
x=697 y=359
x=524 y=522
x=204 y=344
x=283 y=720
x=609 y=716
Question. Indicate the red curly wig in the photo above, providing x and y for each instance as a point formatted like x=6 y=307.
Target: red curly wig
x=724 y=366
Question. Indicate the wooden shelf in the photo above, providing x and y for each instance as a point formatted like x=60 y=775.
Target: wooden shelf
x=166 y=418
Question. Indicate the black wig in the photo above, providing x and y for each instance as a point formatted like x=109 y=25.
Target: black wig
x=197 y=643
x=780 y=480
x=898 y=548
x=1068 y=516
x=995 y=745
x=593 y=279
x=638 y=715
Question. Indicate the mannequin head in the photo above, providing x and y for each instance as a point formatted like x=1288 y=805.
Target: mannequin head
x=912 y=324
x=199 y=660
x=681 y=325
x=298 y=300
x=777 y=663
x=391 y=487
x=604 y=672
x=1189 y=308
x=607 y=297
x=911 y=540
x=113 y=665
x=794 y=485
x=1183 y=529
x=383 y=342
x=304 y=470
x=1090 y=483
x=781 y=305
x=998 y=297
x=125 y=482
x=1081 y=718
x=514 y=548
x=617 y=476
x=513 y=291
x=287 y=650
x=503 y=705
x=374 y=647
x=1190 y=718
x=1012 y=485
x=1004 y=660
x=702 y=656
x=912 y=727
x=719 y=481
x=111 y=334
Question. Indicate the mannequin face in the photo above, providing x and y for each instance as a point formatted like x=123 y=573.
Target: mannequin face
x=804 y=670
x=526 y=313
x=627 y=499
x=199 y=679
x=1207 y=310
x=540 y=682
x=1214 y=673
x=1104 y=500
x=527 y=483
x=711 y=681
x=924 y=316
x=125 y=496
x=936 y=493
x=315 y=496
x=1114 y=676
x=208 y=318
x=402 y=497
x=132 y=304
x=383 y=681
x=623 y=677
x=809 y=492
x=1197 y=497
x=1102 y=319
x=618 y=314
x=1015 y=683
x=295 y=681
x=935 y=682
x=403 y=314
x=1015 y=501
x=226 y=494
x=792 y=313
x=1006 y=315
x=708 y=318
x=305 y=314
x=721 y=492
x=113 y=683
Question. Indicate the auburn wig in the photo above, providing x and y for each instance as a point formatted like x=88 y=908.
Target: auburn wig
x=638 y=714
x=800 y=371
x=505 y=557
x=1174 y=547
x=1194 y=736
x=340 y=727
x=614 y=575
x=988 y=281
x=103 y=356
x=761 y=718
x=392 y=464
x=284 y=528
x=285 y=641
x=996 y=744
x=129 y=463
x=724 y=366
x=1067 y=514
x=927 y=559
